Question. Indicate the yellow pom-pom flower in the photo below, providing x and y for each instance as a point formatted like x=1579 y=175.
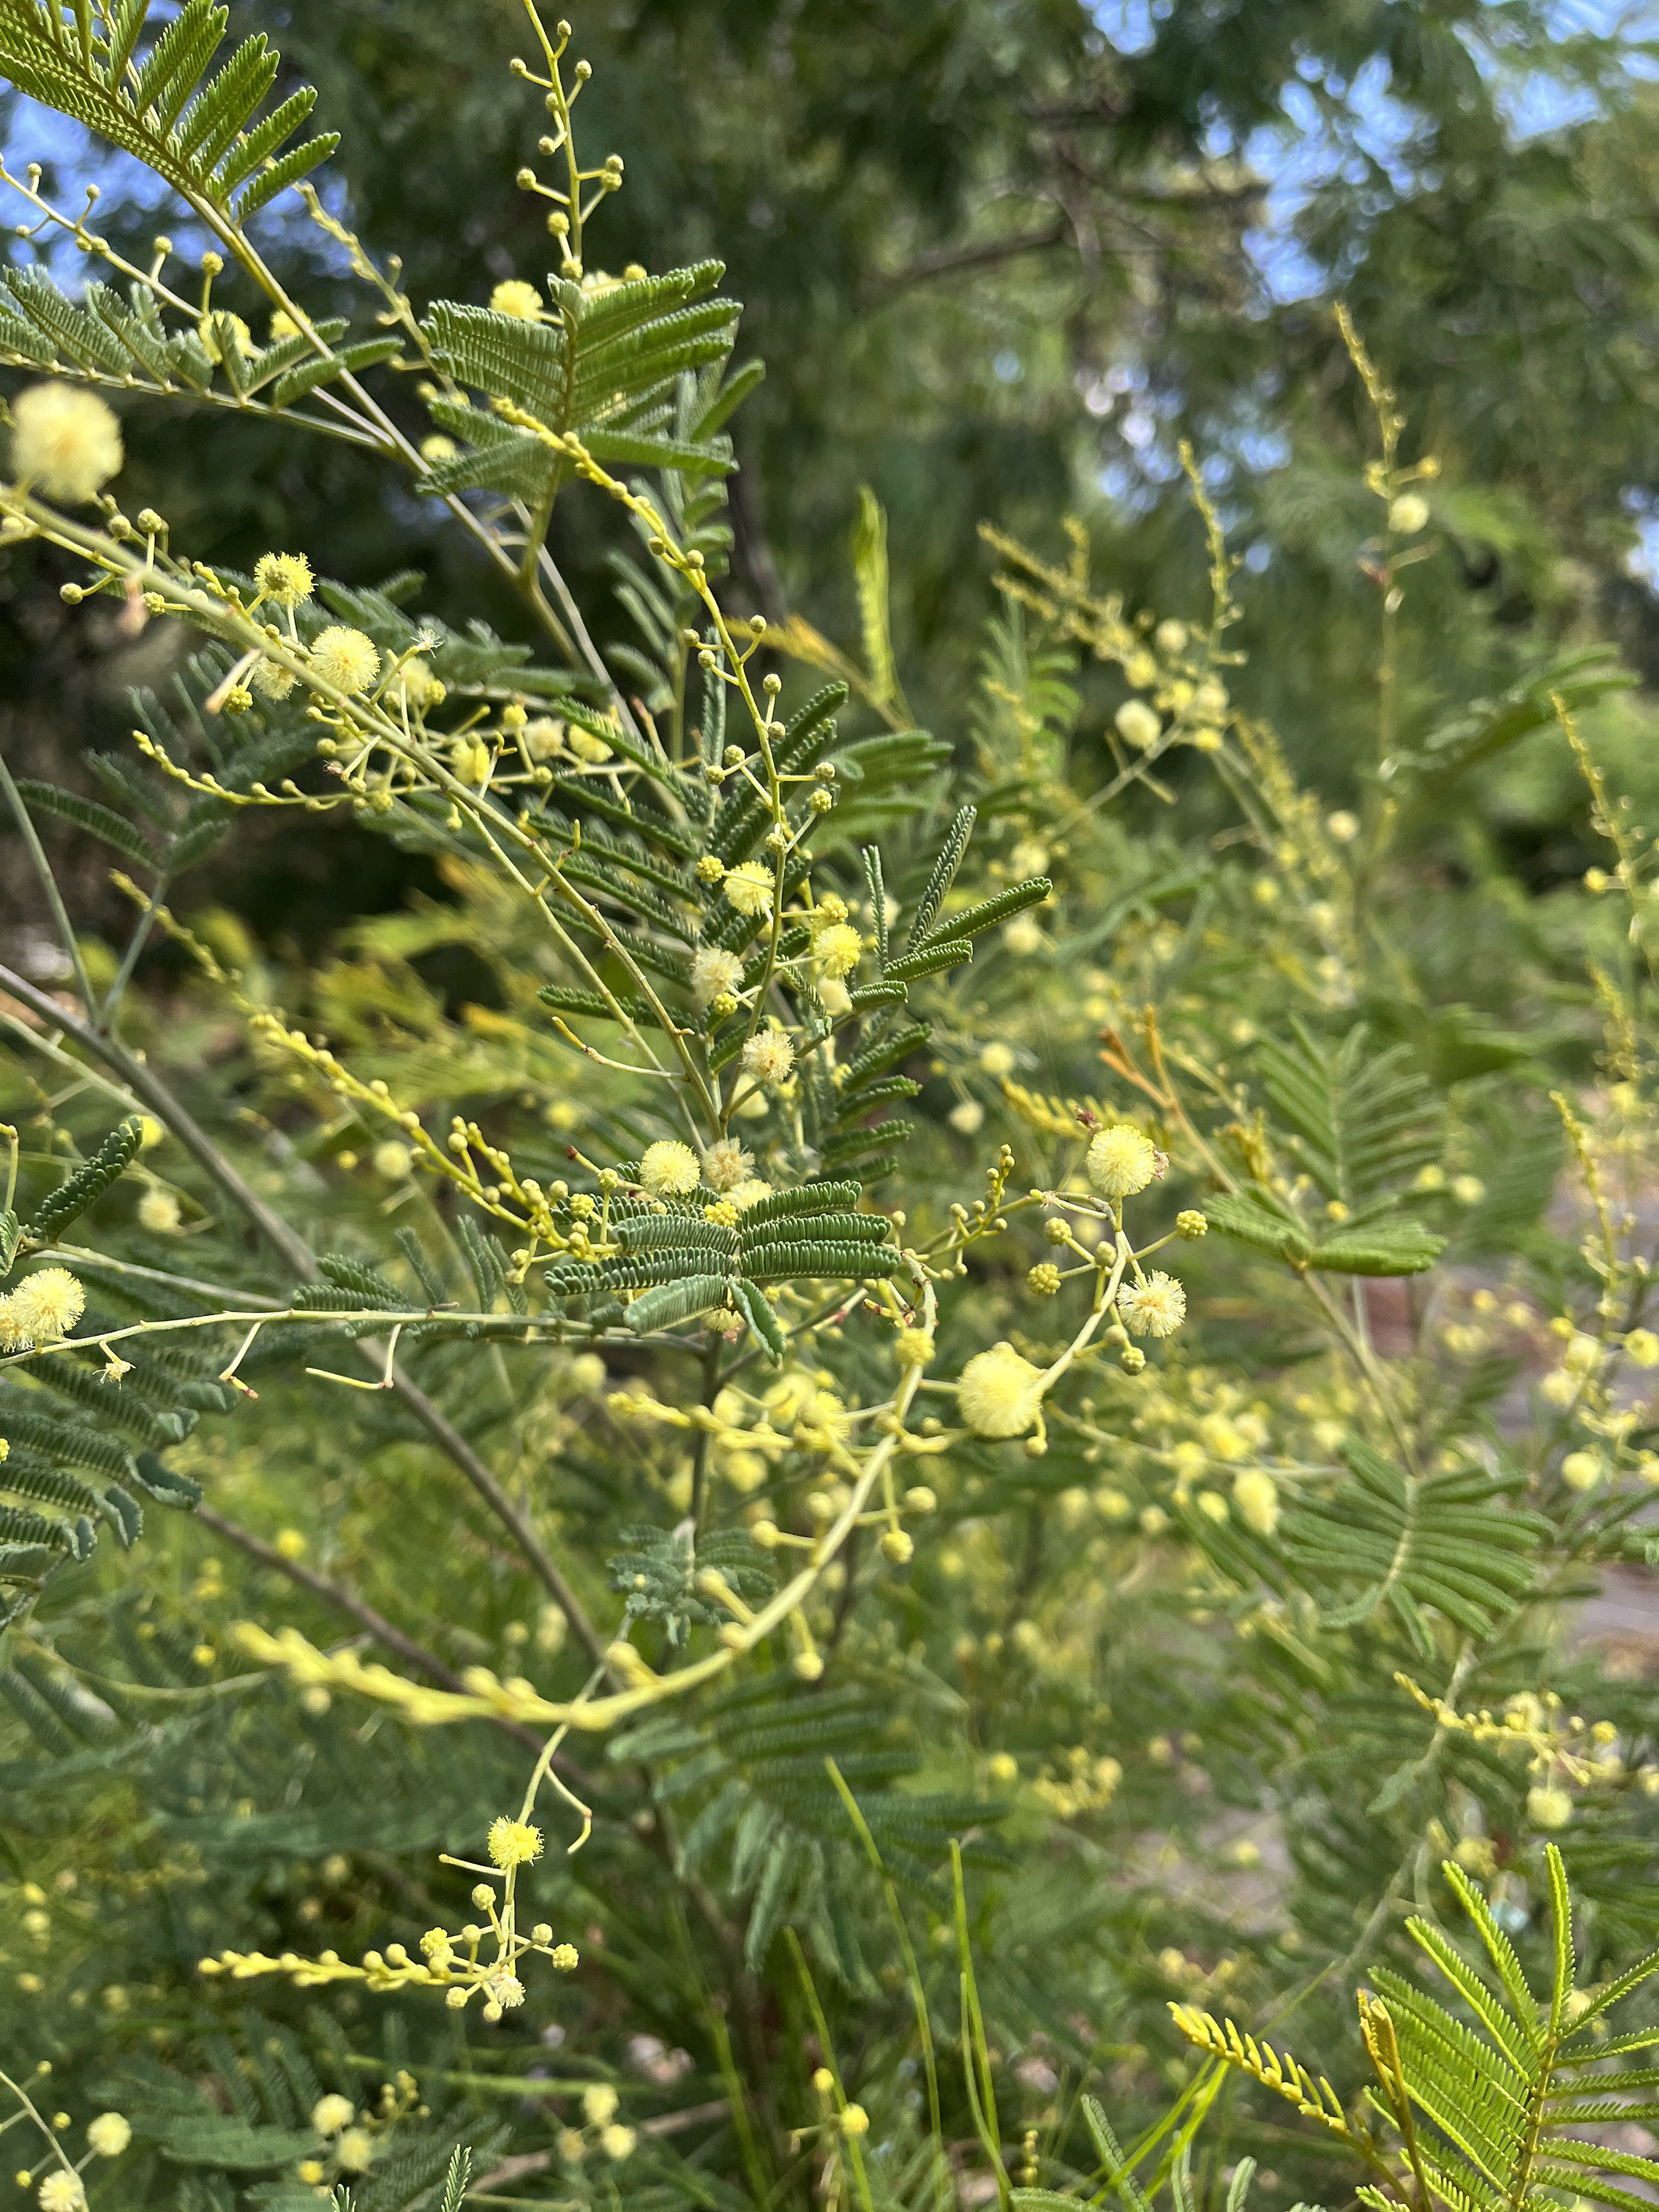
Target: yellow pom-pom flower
x=768 y=1057
x=839 y=949
x=1582 y=1470
x=331 y=2113
x=415 y=686
x=514 y=1843
x=65 y=442
x=272 y=680
x=1548 y=1807
x=714 y=972
x=1001 y=1393
x=1137 y=726
x=749 y=887
x=1121 y=1161
x=1255 y=1495
x=283 y=578
x=44 y=1307
x=158 y=1211
x=356 y=2151
x=669 y=1168
x=63 y=2191
x=726 y=1164
x=1155 y=1308
x=515 y=298
x=345 y=658
x=109 y=2135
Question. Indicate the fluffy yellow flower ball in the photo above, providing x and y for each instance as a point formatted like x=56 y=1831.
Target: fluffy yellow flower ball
x=726 y=1164
x=63 y=2191
x=1121 y=1161
x=43 y=1308
x=415 y=686
x=345 y=658
x=1155 y=1308
x=839 y=949
x=768 y=1057
x=66 y=442
x=749 y=887
x=514 y=1843
x=516 y=298
x=109 y=2135
x=331 y=2113
x=284 y=578
x=272 y=680
x=1137 y=726
x=1255 y=1494
x=998 y=1394
x=1548 y=1807
x=158 y=1211
x=713 y=971
x=356 y=2151
x=669 y=1168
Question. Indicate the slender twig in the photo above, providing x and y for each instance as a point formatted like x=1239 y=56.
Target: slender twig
x=148 y=1086
x=135 y=945
x=335 y=1594
x=48 y=883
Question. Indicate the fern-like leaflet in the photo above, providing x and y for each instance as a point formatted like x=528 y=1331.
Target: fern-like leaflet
x=763 y=1807
x=197 y=132
x=1507 y=2083
x=1359 y=1127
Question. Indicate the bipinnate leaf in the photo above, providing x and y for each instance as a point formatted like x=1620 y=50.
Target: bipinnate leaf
x=195 y=133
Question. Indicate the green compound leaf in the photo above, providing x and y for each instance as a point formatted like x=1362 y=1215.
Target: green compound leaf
x=1254 y=1216
x=756 y=1308
x=88 y=814
x=1003 y=908
x=597 y=367
x=1386 y=1248
x=88 y=1182
x=1370 y=1246
x=1358 y=1123
x=232 y=2144
x=673 y=1302
x=199 y=136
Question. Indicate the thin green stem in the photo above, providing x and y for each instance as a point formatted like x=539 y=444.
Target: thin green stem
x=48 y=883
